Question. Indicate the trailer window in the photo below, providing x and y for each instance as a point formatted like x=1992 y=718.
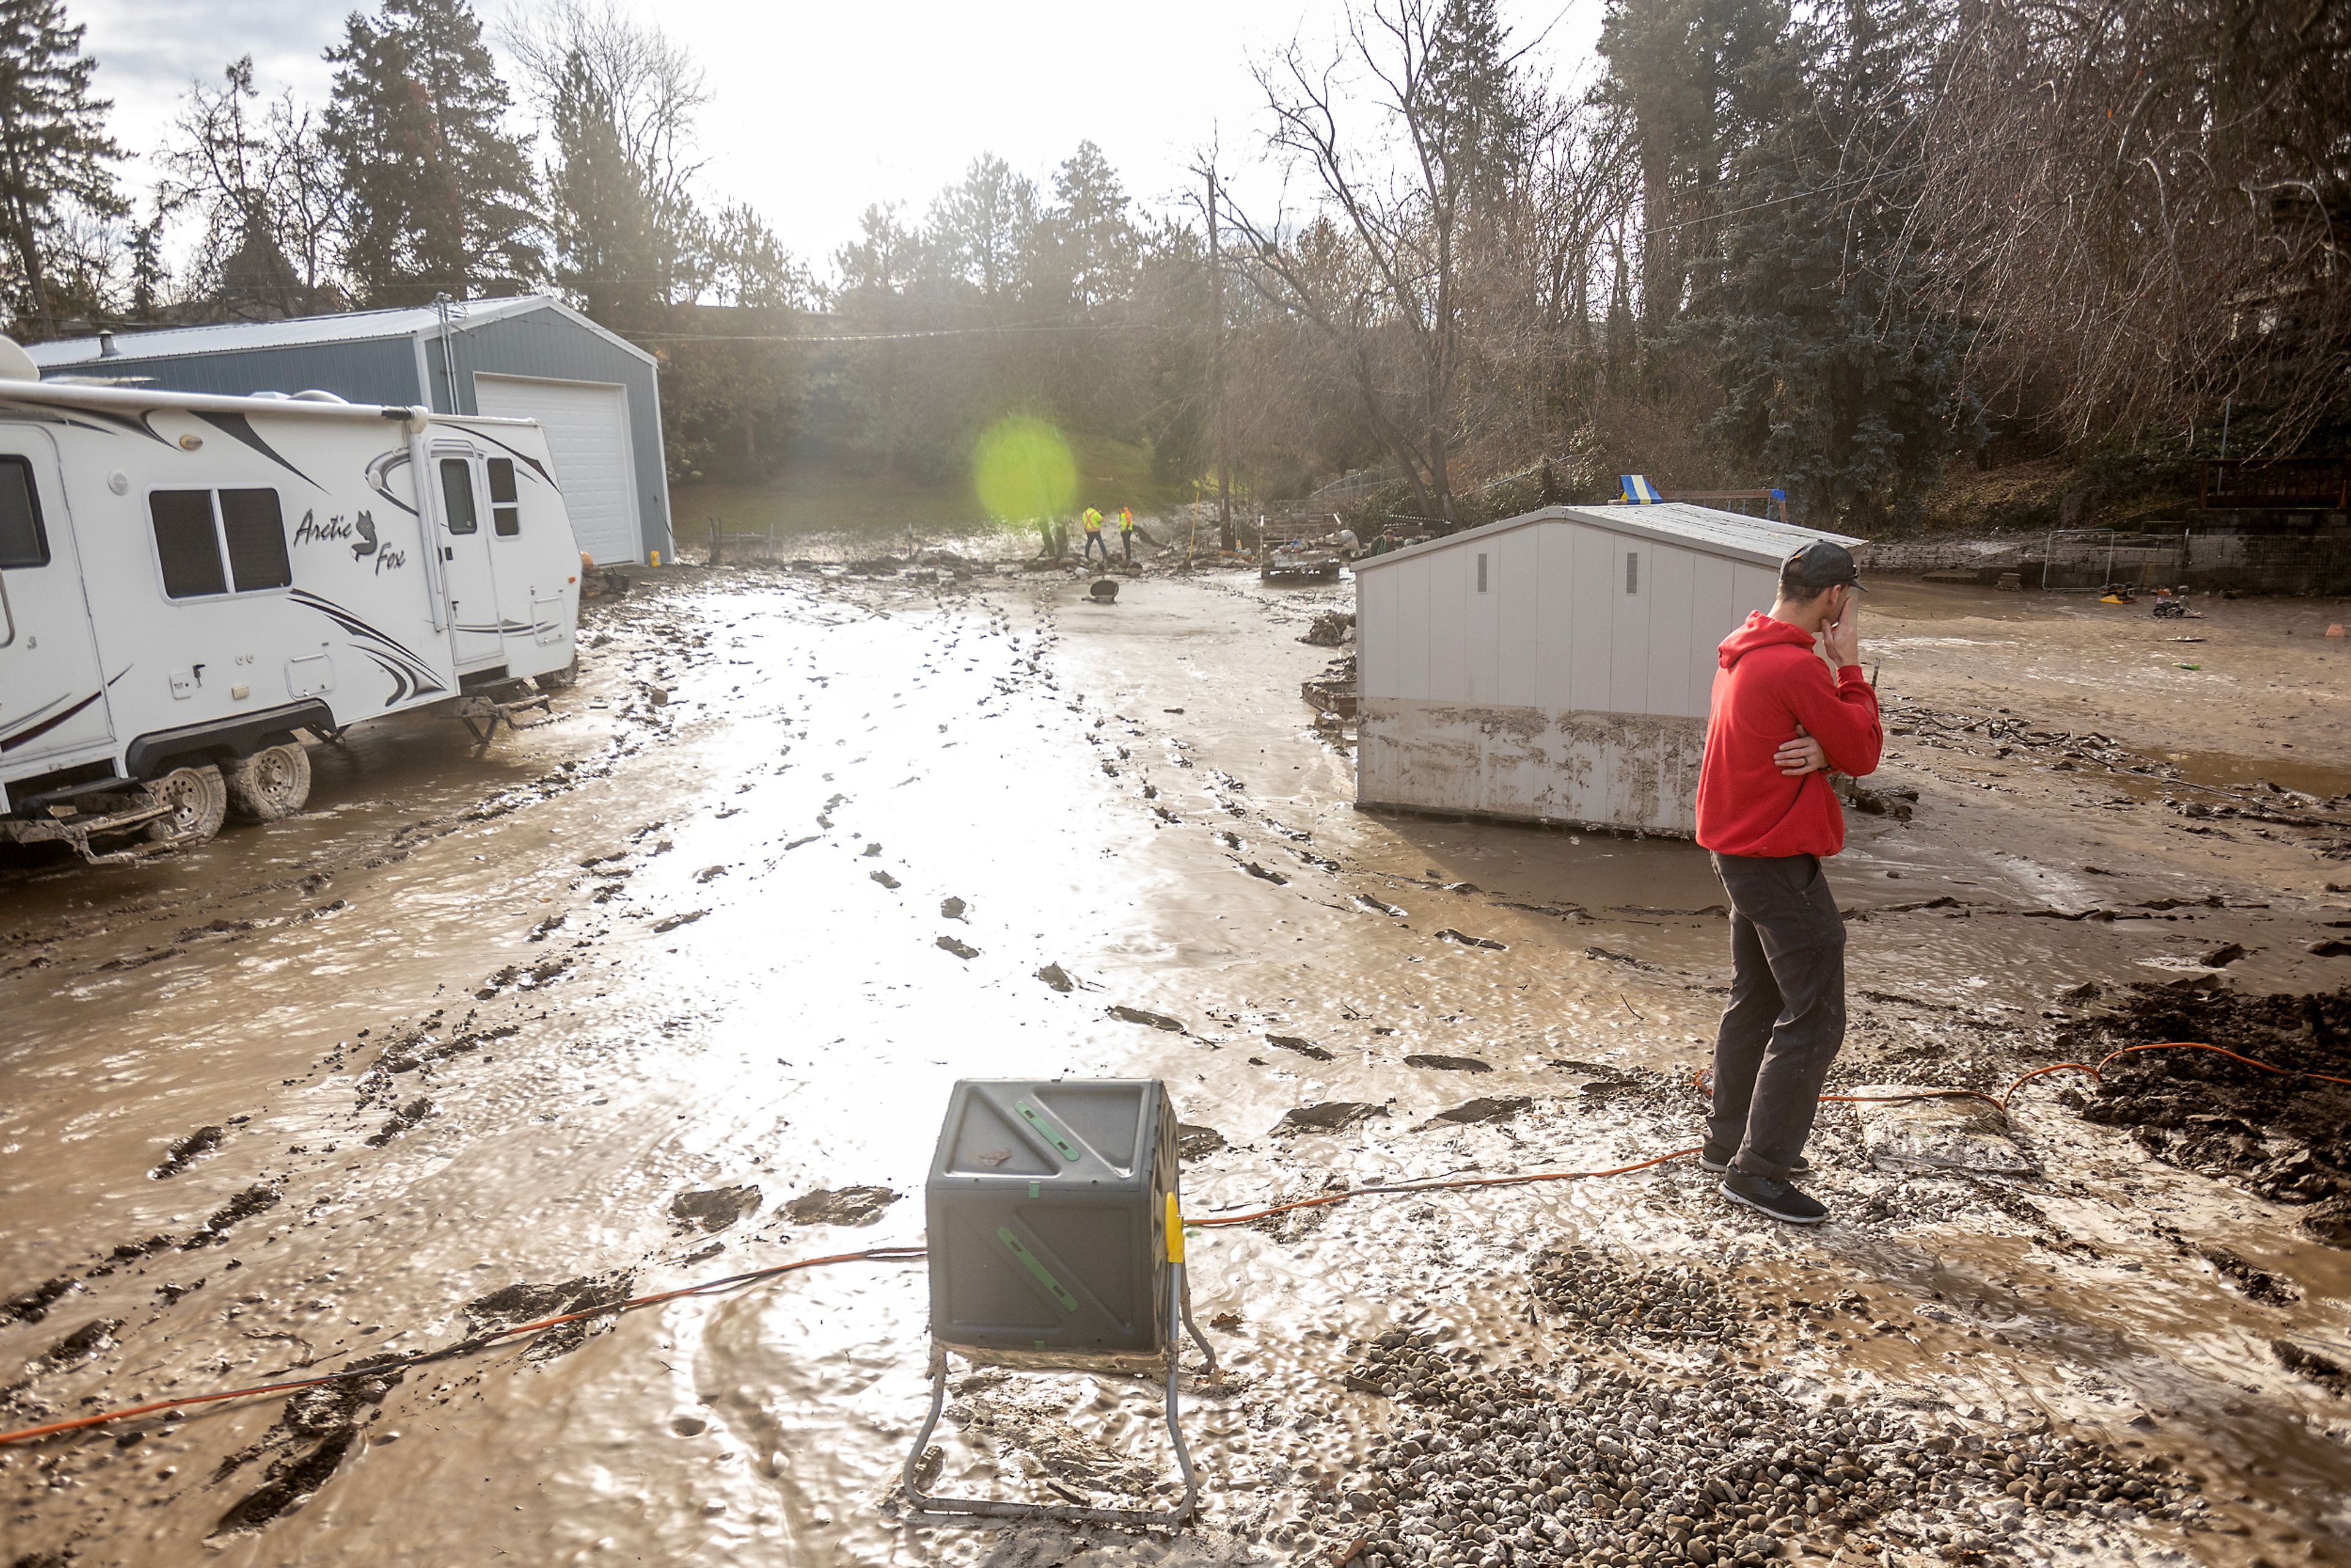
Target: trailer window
x=22 y=541
x=505 y=513
x=255 y=530
x=457 y=495
x=187 y=543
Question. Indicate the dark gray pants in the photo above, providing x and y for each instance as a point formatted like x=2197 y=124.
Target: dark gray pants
x=1786 y=1017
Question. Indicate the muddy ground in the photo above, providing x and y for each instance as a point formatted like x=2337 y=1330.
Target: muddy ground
x=674 y=985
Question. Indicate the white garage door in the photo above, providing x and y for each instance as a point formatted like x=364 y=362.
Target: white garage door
x=587 y=428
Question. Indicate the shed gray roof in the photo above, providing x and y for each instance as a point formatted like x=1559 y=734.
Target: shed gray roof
x=351 y=326
x=1758 y=541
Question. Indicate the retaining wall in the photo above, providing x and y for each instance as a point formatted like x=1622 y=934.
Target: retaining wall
x=2242 y=553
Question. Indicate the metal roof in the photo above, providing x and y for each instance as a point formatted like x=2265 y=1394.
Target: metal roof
x=296 y=331
x=1760 y=541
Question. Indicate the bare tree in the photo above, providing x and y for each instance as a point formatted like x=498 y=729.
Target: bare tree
x=263 y=186
x=2147 y=205
x=1379 y=272
x=646 y=90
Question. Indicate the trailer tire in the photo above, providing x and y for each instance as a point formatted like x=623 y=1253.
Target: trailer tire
x=198 y=797
x=272 y=783
x=562 y=680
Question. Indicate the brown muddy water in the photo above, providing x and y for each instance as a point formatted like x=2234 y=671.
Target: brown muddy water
x=447 y=1051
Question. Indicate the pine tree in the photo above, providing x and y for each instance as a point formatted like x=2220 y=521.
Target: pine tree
x=1685 y=72
x=983 y=230
x=600 y=211
x=440 y=194
x=54 y=148
x=148 y=273
x=1482 y=110
x=1841 y=379
x=1092 y=238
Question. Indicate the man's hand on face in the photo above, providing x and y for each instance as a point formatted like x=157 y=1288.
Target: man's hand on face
x=1841 y=635
x=1800 y=756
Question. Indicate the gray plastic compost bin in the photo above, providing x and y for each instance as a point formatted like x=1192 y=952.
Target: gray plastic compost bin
x=1047 y=1212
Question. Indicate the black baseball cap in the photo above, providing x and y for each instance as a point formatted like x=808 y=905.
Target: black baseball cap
x=1819 y=566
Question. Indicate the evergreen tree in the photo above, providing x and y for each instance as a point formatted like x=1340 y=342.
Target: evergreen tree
x=148 y=273
x=1685 y=72
x=54 y=148
x=1840 y=378
x=1484 y=117
x=441 y=195
x=983 y=230
x=600 y=212
x=1092 y=241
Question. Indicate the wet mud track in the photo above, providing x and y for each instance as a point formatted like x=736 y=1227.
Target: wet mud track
x=673 y=987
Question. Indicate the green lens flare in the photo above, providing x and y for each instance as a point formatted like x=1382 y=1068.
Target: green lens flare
x=1023 y=471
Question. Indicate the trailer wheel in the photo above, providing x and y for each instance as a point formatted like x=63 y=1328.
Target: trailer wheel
x=273 y=783
x=562 y=680
x=199 y=800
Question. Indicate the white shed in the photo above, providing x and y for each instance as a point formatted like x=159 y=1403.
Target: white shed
x=1555 y=666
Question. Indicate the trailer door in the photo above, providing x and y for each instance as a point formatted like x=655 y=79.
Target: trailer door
x=53 y=707
x=466 y=548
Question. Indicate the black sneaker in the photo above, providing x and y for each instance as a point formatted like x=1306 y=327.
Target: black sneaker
x=1716 y=1157
x=1776 y=1198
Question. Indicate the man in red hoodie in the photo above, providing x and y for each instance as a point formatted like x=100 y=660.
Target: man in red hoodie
x=1766 y=811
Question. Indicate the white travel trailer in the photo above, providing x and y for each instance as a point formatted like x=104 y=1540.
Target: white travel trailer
x=193 y=586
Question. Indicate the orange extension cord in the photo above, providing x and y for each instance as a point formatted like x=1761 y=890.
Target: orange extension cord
x=909 y=1254
x=401 y=1362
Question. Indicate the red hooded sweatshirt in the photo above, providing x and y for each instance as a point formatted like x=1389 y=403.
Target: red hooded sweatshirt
x=1770 y=681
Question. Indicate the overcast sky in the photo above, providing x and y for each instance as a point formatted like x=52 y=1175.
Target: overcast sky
x=819 y=110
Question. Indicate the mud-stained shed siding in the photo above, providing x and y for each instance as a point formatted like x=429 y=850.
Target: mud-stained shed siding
x=1573 y=684
x=1624 y=770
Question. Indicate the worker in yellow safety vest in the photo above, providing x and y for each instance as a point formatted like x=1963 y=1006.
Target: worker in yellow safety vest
x=1094 y=521
x=1127 y=531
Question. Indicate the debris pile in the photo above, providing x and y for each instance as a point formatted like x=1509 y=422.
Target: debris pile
x=2287 y=1138
x=1331 y=629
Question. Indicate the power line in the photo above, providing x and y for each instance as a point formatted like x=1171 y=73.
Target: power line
x=867 y=336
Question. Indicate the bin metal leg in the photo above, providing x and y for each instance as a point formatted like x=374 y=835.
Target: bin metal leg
x=1179 y=1319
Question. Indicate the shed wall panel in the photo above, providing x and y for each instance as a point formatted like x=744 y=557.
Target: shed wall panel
x=1592 y=622
x=1630 y=612
x=1714 y=612
x=1375 y=635
x=1484 y=612
x=1412 y=629
x=1449 y=626
x=1517 y=608
x=1554 y=613
x=1670 y=606
x=376 y=370
x=549 y=345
